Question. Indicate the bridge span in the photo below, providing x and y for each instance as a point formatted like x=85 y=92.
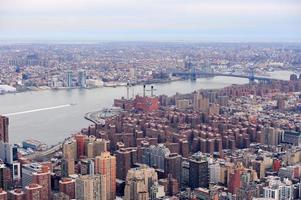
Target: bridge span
x=250 y=77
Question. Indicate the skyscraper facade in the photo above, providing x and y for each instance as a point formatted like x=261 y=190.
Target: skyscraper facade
x=91 y=187
x=173 y=166
x=82 y=77
x=67 y=186
x=105 y=164
x=139 y=182
x=43 y=178
x=198 y=173
x=33 y=191
x=69 y=79
x=4 y=128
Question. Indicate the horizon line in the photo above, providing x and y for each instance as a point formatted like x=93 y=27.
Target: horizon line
x=95 y=41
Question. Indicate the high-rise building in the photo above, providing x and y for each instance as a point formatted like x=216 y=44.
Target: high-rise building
x=124 y=162
x=3 y=194
x=90 y=149
x=69 y=79
x=86 y=166
x=69 y=157
x=60 y=196
x=203 y=104
x=156 y=191
x=173 y=166
x=234 y=181
x=272 y=136
x=278 y=190
x=195 y=100
x=16 y=194
x=182 y=103
x=9 y=155
x=198 y=173
x=82 y=77
x=139 y=182
x=215 y=173
x=67 y=167
x=43 y=178
x=80 y=144
x=171 y=185
x=5 y=177
x=67 y=186
x=100 y=145
x=281 y=104
x=105 y=164
x=70 y=150
x=27 y=170
x=91 y=187
x=154 y=156
x=259 y=167
x=4 y=128
x=33 y=192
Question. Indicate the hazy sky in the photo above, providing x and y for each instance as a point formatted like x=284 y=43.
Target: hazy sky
x=202 y=20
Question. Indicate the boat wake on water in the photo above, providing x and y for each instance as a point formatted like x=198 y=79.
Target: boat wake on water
x=38 y=110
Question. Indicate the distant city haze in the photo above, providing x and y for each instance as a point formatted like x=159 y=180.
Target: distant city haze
x=132 y=20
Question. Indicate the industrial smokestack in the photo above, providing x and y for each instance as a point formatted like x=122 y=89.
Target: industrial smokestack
x=133 y=91
x=143 y=90
x=152 y=91
x=127 y=91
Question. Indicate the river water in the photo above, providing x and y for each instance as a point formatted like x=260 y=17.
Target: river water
x=52 y=115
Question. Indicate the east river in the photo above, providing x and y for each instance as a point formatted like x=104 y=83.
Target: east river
x=52 y=115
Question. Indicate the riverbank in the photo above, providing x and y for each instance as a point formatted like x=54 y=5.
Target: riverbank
x=46 y=88
x=52 y=126
x=282 y=75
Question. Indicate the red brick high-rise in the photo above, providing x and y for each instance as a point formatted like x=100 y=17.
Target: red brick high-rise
x=4 y=128
x=33 y=192
x=43 y=178
x=124 y=160
x=234 y=179
x=16 y=194
x=105 y=164
x=67 y=186
x=3 y=194
x=80 y=142
x=173 y=166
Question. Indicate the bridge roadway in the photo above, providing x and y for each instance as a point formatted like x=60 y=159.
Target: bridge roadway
x=260 y=78
x=48 y=152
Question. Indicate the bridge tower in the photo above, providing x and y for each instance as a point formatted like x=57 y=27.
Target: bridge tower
x=193 y=73
x=251 y=74
x=190 y=67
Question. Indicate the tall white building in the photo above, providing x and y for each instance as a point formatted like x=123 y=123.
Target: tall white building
x=8 y=154
x=215 y=173
x=279 y=190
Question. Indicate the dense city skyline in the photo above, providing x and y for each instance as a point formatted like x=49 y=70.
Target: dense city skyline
x=150 y=100
x=132 y=20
